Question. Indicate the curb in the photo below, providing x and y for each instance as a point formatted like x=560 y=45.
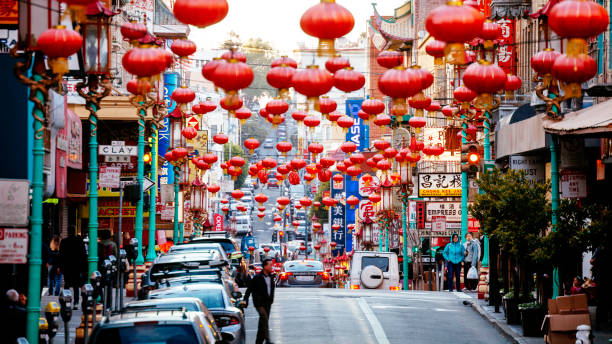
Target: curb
x=500 y=326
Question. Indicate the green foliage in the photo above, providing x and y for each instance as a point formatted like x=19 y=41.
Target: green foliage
x=531 y=305
x=254 y=127
x=259 y=55
x=513 y=210
x=321 y=212
x=236 y=151
x=565 y=245
x=598 y=234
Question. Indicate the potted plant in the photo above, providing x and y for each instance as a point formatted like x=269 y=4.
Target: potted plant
x=532 y=316
x=511 y=308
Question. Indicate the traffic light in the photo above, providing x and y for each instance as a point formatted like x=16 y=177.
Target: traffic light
x=470 y=158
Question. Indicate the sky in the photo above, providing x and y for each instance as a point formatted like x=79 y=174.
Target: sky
x=278 y=21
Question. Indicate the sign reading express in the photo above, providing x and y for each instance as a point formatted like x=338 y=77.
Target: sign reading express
x=439 y=185
x=450 y=210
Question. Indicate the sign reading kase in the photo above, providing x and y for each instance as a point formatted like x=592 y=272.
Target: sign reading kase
x=13 y=245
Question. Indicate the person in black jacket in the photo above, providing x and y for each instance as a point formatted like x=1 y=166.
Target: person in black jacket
x=74 y=263
x=261 y=287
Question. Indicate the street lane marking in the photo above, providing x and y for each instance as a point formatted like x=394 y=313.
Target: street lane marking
x=379 y=333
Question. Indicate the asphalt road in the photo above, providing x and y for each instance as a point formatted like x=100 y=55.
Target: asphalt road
x=339 y=316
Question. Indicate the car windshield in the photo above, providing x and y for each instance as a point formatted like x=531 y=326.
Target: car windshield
x=381 y=262
x=227 y=245
x=183 y=265
x=242 y=221
x=149 y=332
x=299 y=266
x=211 y=298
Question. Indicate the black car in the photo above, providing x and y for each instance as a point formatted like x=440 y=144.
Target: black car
x=215 y=298
x=304 y=273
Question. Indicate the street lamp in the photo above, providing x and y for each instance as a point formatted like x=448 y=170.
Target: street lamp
x=197 y=202
x=96 y=63
x=367 y=228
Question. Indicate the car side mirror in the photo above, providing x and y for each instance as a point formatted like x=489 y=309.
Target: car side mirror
x=237 y=295
x=227 y=337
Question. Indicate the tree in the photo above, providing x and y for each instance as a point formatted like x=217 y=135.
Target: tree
x=515 y=214
x=259 y=54
x=236 y=151
x=321 y=213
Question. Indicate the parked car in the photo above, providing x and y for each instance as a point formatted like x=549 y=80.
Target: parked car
x=189 y=304
x=304 y=273
x=214 y=296
x=197 y=247
x=167 y=264
x=172 y=326
x=274 y=249
x=230 y=246
x=374 y=270
x=273 y=183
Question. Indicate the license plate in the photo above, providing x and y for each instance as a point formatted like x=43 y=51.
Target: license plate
x=303 y=278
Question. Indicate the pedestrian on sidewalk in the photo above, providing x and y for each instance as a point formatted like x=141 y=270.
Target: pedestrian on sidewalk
x=262 y=289
x=55 y=273
x=13 y=317
x=472 y=256
x=74 y=263
x=454 y=254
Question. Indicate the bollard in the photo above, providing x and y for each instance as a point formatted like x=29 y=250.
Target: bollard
x=87 y=291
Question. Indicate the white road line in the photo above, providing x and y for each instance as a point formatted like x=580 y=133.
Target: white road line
x=379 y=333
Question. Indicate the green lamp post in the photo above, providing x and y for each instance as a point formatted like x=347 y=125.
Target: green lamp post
x=141 y=104
x=464 y=183
x=92 y=104
x=158 y=114
x=38 y=85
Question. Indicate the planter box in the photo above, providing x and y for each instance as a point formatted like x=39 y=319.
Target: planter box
x=531 y=321
x=513 y=317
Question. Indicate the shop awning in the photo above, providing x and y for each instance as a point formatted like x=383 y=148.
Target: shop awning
x=116 y=108
x=519 y=133
x=596 y=119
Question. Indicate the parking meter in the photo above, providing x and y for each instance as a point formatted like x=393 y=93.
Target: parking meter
x=52 y=311
x=134 y=243
x=88 y=292
x=43 y=327
x=66 y=306
x=122 y=266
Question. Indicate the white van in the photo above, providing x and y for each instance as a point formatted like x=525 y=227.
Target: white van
x=374 y=270
x=243 y=224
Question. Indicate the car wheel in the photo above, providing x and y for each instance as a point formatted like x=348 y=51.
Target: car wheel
x=371 y=277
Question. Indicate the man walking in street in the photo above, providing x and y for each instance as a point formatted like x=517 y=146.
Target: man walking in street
x=74 y=263
x=453 y=254
x=262 y=289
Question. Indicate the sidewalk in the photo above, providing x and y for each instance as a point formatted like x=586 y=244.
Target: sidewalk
x=75 y=320
x=515 y=332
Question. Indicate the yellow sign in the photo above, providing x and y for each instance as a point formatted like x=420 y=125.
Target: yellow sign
x=440 y=193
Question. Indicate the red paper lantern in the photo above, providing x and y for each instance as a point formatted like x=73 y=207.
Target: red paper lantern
x=294 y=178
x=417 y=122
x=284 y=61
x=399 y=83
x=208 y=70
x=299 y=115
x=251 y=144
x=390 y=59
x=374 y=197
x=357 y=158
x=298 y=164
x=277 y=106
x=345 y=122
x=348 y=147
x=390 y=153
x=233 y=76
x=327 y=162
x=327 y=21
x=464 y=94
x=336 y=63
x=352 y=201
x=284 y=147
x=435 y=49
x=311 y=121
x=60 y=43
x=220 y=139
x=383 y=165
x=348 y=80
x=576 y=18
x=542 y=61
x=237 y=194
x=138 y=87
x=312 y=82
x=573 y=71
x=354 y=172
x=324 y=175
x=189 y=133
x=133 y=31
x=209 y=158
x=382 y=120
x=231 y=103
x=381 y=145
x=454 y=24
x=234 y=55
x=243 y=114
x=334 y=116
x=280 y=77
x=315 y=148
x=200 y=13
x=183 y=47
x=183 y=95
x=143 y=62
x=327 y=105
x=485 y=79
x=490 y=31
x=213 y=188
x=268 y=163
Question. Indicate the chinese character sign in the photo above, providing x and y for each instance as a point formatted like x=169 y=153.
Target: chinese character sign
x=439 y=185
x=505 y=52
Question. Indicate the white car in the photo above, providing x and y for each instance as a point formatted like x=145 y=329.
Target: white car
x=274 y=249
x=374 y=270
